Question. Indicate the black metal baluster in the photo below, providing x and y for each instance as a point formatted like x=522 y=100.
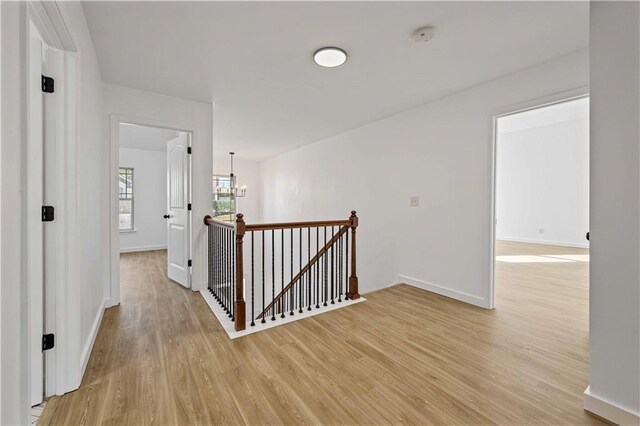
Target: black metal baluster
x=346 y=265
x=333 y=233
x=253 y=321
x=308 y=274
x=311 y=275
x=222 y=245
x=222 y=266
x=224 y=270
x=290 y=298
x=263 y=313
x=325 y=270
x=215 y=261
x=301 y=280
x=340 y=268
x=229 y=273
x=217 y=280
x=282 y=302
x=273 y=276
x=318 y=269
x=232 y=283
x=217 y=268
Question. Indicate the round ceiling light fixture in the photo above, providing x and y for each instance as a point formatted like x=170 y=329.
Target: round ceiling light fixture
x=330 y=57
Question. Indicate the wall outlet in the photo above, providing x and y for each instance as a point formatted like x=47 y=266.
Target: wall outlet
x=414 y=201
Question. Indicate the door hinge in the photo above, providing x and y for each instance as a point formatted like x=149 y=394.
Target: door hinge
x=47 y=84
x=189 y=206
x=188 y=150
x=48 y=213
x=48 y=341
x=189 y=263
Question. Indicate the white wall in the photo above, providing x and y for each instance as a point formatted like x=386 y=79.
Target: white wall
x=441 y=152
x=13 y=406
x=542 y=181
x=248 y=173
x=154 y=109
x=614 y=320
x=150 y=200
x=92 y=214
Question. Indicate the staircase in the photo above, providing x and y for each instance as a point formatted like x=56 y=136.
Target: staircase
x=271 y=271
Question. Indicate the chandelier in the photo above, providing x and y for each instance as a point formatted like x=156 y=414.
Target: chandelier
x=232 y=189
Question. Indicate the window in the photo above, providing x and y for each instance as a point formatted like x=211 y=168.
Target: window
x=223 y=199
x=125 y=194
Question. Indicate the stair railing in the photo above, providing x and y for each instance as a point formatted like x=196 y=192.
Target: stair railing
x=314 y=264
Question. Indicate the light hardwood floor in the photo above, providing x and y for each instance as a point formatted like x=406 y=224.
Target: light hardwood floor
x=403 y=356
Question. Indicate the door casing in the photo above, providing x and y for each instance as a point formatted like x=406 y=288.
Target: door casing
x=113 y=292
x=555 y=98
x=53 y=304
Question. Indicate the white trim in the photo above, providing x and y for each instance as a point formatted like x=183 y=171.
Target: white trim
x=49 y=21
x=608 y=410
x=445 y=291
x=229 y=327
x=545 y=242
x=34 y=195
x=63 y=317
x=143 y=248
x=86 y=351
x=555 y=98
x=113 y=292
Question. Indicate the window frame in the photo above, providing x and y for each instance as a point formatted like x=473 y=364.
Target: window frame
x=231 y=195
x=130 y=172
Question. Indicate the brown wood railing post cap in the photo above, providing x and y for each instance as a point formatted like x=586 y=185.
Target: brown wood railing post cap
x=353 y=212
x=206 y=219
x=239 y=216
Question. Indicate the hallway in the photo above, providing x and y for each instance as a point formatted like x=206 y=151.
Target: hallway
x=406 y=355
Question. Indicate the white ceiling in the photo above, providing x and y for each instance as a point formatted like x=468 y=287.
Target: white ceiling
x=253 y=60
x=144 y=137
x=552 y=114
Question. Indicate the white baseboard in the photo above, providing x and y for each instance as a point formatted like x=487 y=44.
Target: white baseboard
x=142 y=248
x=545 y=242
x=445 y=291
x=608 y=410
x=86 y=351
x=109 y=303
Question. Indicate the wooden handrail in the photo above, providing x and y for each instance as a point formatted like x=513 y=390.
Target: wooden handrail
x=290 y=225
x=304 y=270
x=208 y=220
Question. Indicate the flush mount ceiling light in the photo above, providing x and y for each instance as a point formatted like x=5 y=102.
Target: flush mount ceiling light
x=330 y=57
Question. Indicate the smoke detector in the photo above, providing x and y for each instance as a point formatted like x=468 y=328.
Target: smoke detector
x=423 y=35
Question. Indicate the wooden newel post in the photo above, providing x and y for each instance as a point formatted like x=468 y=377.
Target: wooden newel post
x=353 y=278
x=240 y=305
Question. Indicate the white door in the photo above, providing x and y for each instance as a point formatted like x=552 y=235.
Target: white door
x=178 y=247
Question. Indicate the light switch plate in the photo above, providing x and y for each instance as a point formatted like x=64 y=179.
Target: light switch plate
x=414 y=201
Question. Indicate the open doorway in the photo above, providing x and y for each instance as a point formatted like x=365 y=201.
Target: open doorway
x=154 y=207
x=542 y=210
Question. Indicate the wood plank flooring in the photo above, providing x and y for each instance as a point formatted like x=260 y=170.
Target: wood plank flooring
x=404 y=356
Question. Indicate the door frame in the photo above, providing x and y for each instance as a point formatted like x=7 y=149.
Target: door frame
x=552 y=99
x=61 y=313
x=113 y=292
